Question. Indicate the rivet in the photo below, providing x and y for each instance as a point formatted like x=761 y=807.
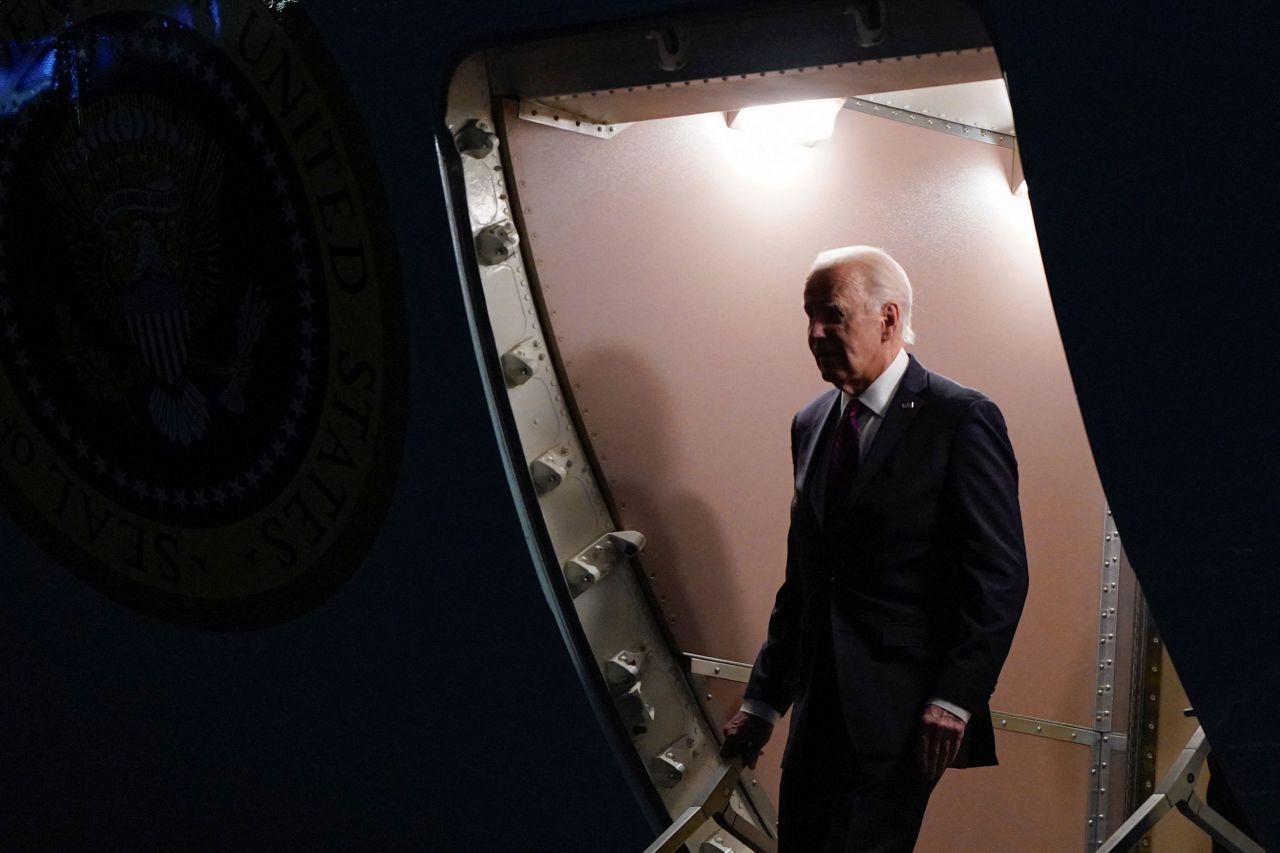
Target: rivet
x=717 y=670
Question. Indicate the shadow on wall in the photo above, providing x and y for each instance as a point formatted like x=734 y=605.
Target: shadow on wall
x=644 y=449
x=686 y=557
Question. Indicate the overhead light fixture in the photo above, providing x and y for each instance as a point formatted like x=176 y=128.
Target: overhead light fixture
x=799 y=122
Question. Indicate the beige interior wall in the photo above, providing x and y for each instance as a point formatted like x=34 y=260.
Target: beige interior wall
x=671 y=259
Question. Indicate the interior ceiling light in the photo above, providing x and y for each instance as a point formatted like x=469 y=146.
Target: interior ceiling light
x=799 y=122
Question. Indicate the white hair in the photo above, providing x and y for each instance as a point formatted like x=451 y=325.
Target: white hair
x=883 y=279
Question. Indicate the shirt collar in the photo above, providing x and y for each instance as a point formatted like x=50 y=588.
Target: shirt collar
x=878 y=394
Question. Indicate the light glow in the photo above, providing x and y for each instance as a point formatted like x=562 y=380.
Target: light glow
x=797 y=123
x=763 y=162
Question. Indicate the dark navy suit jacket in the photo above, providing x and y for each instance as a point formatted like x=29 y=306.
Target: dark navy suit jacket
x=917 y=580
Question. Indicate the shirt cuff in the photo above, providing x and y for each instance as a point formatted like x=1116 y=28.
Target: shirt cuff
x=947 y=706
x=761 y=709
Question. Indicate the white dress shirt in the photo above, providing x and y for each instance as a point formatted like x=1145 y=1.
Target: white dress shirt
x=875 y=402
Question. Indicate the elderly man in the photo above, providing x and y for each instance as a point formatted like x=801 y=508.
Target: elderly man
x=905 y=578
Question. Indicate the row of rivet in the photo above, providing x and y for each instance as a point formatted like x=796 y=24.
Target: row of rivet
x=1104 y=704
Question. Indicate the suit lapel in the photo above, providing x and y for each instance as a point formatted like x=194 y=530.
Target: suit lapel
x=906 y=403
x=811 y=455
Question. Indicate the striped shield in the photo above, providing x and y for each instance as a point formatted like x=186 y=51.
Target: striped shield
x=159 y=325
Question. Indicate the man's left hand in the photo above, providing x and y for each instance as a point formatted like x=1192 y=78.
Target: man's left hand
x=940 y=735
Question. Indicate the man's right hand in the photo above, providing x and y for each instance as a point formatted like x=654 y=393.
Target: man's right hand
x=745 y=735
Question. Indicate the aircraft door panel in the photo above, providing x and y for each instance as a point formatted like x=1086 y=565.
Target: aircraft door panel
x=585 y=561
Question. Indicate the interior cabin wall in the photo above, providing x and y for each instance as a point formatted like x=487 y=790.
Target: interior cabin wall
x=671 y=259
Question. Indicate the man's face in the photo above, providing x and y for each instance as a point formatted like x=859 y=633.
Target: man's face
x=850 y=343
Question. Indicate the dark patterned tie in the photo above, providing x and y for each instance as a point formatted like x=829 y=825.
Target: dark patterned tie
x=844 y=457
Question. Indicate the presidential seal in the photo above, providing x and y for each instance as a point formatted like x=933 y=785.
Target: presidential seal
x=201 y=328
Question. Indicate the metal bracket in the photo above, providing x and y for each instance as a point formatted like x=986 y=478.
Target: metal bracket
x=716 y=845
x=870 y=21
x=729 y=670
x=622 y=674
x=521 y=362
x=869 y=105
x=539 y=113
x=714 y=806
x=622 y=671
x=718 y=668
x=1177 y=790
x=496 y=243
x=669 y=767
x=589 y=567
x=476 y=139
x=549 y=470
x=1045 y=728
x=673 y=46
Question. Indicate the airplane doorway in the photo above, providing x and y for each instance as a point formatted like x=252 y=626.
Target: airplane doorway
x=641 y=265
